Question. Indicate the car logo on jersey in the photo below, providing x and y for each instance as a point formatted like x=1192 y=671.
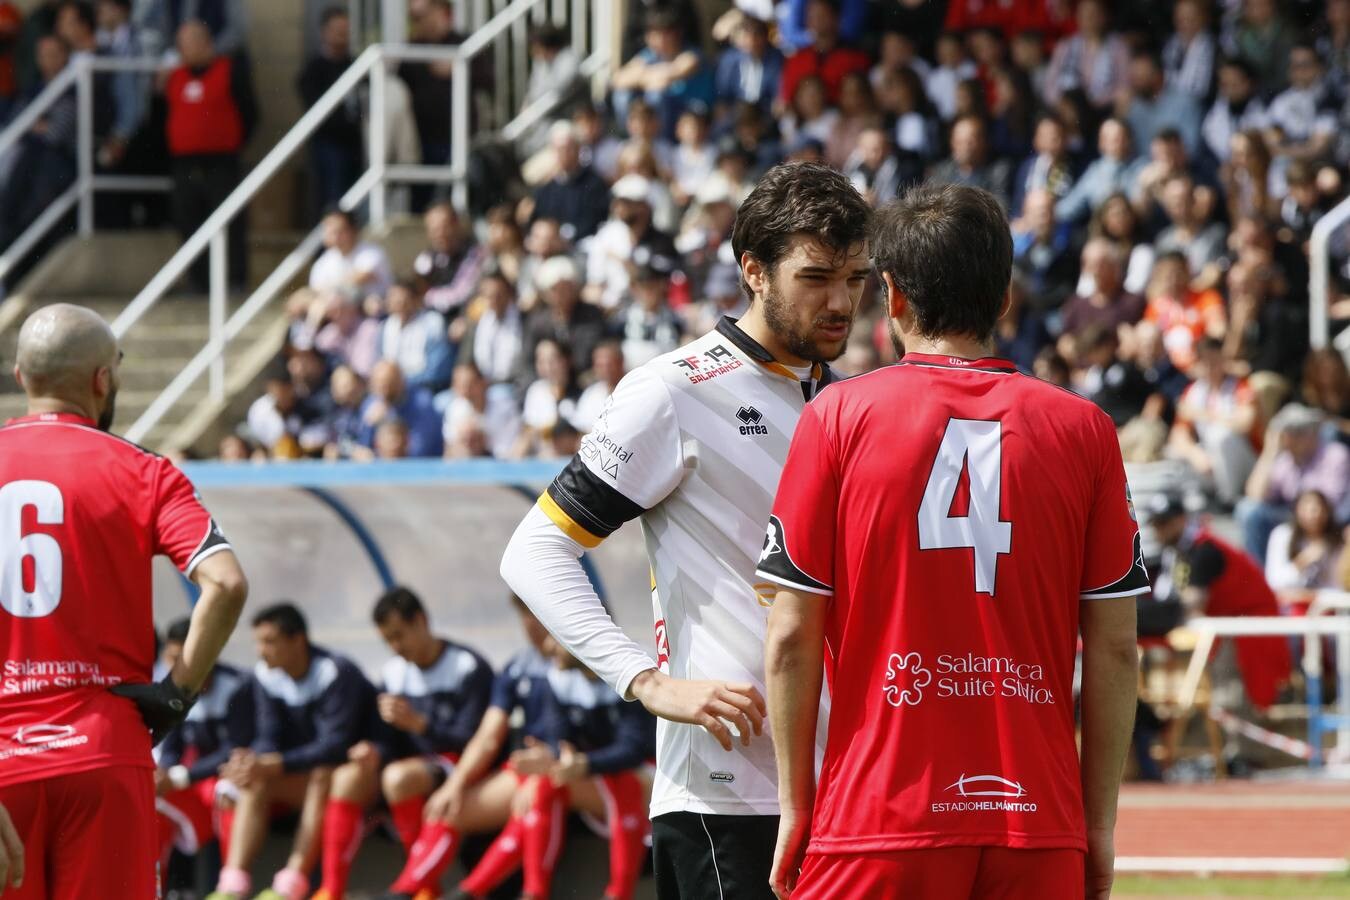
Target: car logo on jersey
x=771 y=545
x=987 y=786
x=750 y=419
x=919 y=678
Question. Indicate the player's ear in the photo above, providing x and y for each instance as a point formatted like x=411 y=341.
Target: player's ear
x=753 y=272
x=1007 y=303
x=896 y=302
x=18 y=376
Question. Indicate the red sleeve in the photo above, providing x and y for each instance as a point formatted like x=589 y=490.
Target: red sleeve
x=1113 y=563
x=799 y=544
x=184 y=530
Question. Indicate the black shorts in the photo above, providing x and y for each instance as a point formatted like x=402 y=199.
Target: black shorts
x=706 y=857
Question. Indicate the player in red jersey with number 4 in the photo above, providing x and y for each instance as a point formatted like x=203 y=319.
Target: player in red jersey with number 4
x=82 y=514
x=944 y=530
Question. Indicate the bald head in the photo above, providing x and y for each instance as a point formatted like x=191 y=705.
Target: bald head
x=67 y=356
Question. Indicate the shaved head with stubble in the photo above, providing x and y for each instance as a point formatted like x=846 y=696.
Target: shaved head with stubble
x=67 y=361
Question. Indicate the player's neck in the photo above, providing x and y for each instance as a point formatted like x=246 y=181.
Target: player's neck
x=757 y=328
x=38 y=406
x=960 y=346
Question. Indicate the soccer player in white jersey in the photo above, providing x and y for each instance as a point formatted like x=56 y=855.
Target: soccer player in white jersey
x=692 y=443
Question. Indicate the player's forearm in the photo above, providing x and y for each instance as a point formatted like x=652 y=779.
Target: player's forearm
x=793 y=661
x=543 y=566
x=484 y=748
x=1110 y=689
x=224 y=590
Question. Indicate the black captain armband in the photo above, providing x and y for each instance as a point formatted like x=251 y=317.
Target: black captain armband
x=586 y=507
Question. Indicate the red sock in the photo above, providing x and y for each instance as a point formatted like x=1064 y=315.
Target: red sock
x=408 y=821
x=342 y=833
x=225 y=832
x=428 y=859
x=626 y=811
x=544 y=832
x=501 y=859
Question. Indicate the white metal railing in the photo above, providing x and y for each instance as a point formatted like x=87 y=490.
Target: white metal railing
x=595 y=32
x=78 y=75
x=1319 y=280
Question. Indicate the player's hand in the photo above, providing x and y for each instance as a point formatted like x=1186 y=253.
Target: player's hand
x=163 y=705
x=711 y=704
x=162 y=783
x=11 y=853
x=794 y=830
x=445 y=803
x=364 y=753
x=536 y=758
x=1101 y=864
x=572 y=766
x=399 y=713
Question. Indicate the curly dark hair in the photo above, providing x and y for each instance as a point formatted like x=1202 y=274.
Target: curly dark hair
x=948 y=249
x=799 y=198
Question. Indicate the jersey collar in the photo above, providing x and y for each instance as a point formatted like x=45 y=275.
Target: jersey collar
x=985 y=364
x=821 y=374
x=66 y=418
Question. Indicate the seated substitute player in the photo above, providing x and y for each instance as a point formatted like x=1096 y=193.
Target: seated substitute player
x=433 y=695
x=589 y=763
x=82 y=515
x=944 y=531
x=312 y=707
x=187 y=785
x=692 y=443
x=477 y=797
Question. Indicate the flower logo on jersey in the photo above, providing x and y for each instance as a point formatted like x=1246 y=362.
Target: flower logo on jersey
x=771 y=545
x=920 y=677
x=987 y=786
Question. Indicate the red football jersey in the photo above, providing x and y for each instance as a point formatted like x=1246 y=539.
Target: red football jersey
x=82 y=514
x=956 y=512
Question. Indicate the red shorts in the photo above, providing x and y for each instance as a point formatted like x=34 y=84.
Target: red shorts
x=191 y=814
x=944 y=873
x=91 y=834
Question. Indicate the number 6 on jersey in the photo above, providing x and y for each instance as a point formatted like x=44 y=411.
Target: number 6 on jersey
x=975 y=447
x=15 y=547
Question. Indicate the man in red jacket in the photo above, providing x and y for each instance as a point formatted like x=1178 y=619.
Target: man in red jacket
x=827 y=57
x=211 y=113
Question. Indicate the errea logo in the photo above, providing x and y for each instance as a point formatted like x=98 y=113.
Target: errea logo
x=750 y=421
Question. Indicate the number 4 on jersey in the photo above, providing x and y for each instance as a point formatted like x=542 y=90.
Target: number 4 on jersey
x=975 y=447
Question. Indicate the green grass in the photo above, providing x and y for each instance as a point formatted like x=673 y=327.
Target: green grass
x=1185 y=886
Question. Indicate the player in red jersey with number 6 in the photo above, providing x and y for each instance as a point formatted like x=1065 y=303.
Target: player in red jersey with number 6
x=82 y=514
x=944 y=531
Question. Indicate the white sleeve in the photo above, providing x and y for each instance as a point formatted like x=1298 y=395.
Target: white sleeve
x=1281 y=573
x=634 y=446
x=543 y=566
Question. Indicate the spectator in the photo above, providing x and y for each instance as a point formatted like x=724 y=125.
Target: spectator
x=562 y=317
x=575 y=196
x=391 y=440
x=1148 y=351
x=1302 y=207
x=226 y=20
x=335 y=148
x=77 y=27
x=391 y=398
x=666 y=73
x=1047 y=169
x=706 y=235
x=828 y=57
x=875 y=170
x=1011 y=111
x=1113 y=172
x=1183 y=315
x=857 y=112
x=694 y=158
x=952 y=69
x=810 y=114
x=452 y=262
x=1021 y=333
x=1297 y=456
x=1333 y=45
x=1106 y=302
x=543 y=241
x=211 y=114
x=1116 y=221
x=1043 y=252
x=1030 y=57
x=551 y=399
x=1050 y=367
x=553 y=64
x=344 y=417
x=117 y=39
x=414 y=337
x=1263 y=40
x=1304 y=553
x=349 y=263
x=1304 y=114
x=628 y=238
x=1167 y=159
x=1265 y=335
x=902 y=98
x=494 y=342
x=347 y=336
x=11 y=26
x=1237 y=108
x=1188 y=55
x=722 y=296
x=1326 y=387
x=751 y=70
x=1114 y=384
x=477 y=409
x=41 y=166
x=649 y=326
x=644 y=128
x=1200 y=239
x=429 y=85
x=1152 y=106
x=1218 y=424
x=969 y=163
x=1246 y=176
x=276 y=419
x=607 y=370
x=1093 y=60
